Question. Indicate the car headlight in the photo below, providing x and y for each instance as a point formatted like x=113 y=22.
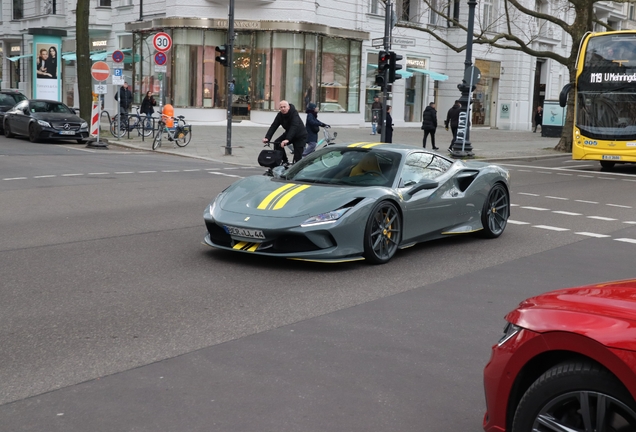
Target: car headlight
x=325 y=218
x=84 y=125
x=510 y=330
x=44 y=123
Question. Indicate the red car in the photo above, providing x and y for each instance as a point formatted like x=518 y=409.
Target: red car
x=566 y=363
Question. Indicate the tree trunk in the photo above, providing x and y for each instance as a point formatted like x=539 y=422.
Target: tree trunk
x=83 y=63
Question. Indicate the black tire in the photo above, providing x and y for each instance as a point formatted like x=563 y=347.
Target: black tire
x=495 y=213
x=143 y=130
x=567 y=396
x=7 y=131
x=156 y=143
x=33 y=133
x=607 y=165
x=383 y=233
x=182 y=142
x=122 y=127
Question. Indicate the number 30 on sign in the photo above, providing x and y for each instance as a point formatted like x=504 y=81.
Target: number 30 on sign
x=162 y=42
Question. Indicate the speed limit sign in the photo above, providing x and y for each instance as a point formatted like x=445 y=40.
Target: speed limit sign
x=162 y=42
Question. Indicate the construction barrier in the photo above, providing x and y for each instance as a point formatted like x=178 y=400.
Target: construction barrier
x=95 y=119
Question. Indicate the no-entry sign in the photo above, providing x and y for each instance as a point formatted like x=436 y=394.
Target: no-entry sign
x=100 y=71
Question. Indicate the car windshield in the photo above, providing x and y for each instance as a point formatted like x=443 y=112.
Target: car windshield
x=347 y=166
x=48 y=107
x=11 y=99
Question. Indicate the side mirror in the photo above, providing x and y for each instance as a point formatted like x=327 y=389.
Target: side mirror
x=73 y=110
x=563 y=96
x=278 y=171
x=423 y=184
x=26 y=111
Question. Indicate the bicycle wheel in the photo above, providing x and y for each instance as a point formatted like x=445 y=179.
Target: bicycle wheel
x=144 y=127
x=114 y=130
x=156 y=143
x=183 y=137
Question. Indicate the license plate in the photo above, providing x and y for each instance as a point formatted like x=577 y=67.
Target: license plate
x=67 y=132
x=611 y=157
x=244 y=232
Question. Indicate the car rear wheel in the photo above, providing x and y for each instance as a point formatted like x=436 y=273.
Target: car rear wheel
x=496 y=211
x=383 y=233
x=7 y=131
x=576 y=396
x=33 y=133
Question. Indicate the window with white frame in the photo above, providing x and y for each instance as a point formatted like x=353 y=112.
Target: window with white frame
x=373 y=7
x=488 y=13
x=433 y=17
x=453 y=12
x=104 y=3
x=405 y=9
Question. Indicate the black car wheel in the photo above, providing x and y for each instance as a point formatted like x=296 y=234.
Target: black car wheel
x=576 y=396
x=33 y=133
x=383 y=233
x=7 y=131
x=496 y=211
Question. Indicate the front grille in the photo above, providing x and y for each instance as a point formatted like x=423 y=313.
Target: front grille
x=218 y=235
x=59 y=125
x=293 y=243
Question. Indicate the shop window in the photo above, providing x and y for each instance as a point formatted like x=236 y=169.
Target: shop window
x=287 y=69
x=215 y=85
x=262 y=73
x=188 y=62
x=310 y=68
x=335 y=75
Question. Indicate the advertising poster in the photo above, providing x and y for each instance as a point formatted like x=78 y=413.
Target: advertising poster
x=47 y=67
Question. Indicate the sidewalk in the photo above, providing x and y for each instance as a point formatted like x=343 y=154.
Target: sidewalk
x=208 y=142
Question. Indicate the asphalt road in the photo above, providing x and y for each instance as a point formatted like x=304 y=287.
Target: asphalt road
x=114 y=316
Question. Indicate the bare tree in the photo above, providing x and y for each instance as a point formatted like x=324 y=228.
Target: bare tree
x=518 y=27
x=82 y=50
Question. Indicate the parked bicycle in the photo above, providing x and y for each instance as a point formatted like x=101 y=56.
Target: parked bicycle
x=129 y=123
x=181 y=133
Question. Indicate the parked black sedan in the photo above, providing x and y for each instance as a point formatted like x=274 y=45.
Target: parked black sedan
x=41 y=119
x=8 y=99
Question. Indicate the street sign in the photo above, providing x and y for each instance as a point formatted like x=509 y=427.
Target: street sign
x=101 y=88
x=160 y=59
x=159 y=68
x=118 y=76
x=100 y=71
x=118 y=56
x=162 y=42
x=377 y=42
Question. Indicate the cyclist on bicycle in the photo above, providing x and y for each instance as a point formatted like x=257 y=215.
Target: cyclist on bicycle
x=295 y=132
x=313 y=127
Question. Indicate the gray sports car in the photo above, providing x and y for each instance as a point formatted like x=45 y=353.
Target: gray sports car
x=359 y=201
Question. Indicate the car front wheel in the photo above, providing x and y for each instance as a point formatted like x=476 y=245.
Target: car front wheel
x=33 y=133
x=576 y=396
x=383 y=233
x=496 y=211
x=7 y=131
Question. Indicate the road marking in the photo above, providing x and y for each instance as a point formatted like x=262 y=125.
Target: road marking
x=619 y=206
x=626 y=240
x=529 y=194
x=104 y=173
x=522 y=170
x=565 y=174
x=224 y=174
x=587 y=176
x=146 y=172
x=169 y=170
x=566 y=213
x=601 y=218
x=125 y=172
x=551 y=228
x=630 y=222
x=629 y=180
x=543 y=172
x=535 y=208
x=192 y=170
x=605 y=178
x=514 y=205
x=15 y=178
x=516 y=222
x=586 y=202
x=44 y=176
x=589 y=234
x=557 y=198
x=72 y=175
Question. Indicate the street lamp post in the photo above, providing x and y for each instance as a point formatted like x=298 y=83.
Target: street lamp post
x=462 y=147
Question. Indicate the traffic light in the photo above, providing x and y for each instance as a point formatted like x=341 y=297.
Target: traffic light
x=379 y=80
x=222 y=57
x=383 y=61
x=394 y=66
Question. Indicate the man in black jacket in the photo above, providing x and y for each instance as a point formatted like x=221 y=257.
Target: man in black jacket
x=295 y=132
x=429 y=124
x=452 y=120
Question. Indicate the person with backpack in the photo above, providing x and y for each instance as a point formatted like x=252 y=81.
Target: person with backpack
x=295 y=132
x=312 y=125
x=429 y=124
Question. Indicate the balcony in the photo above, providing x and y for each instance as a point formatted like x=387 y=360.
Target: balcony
x=42 y=21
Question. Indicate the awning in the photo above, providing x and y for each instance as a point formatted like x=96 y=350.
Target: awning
x=16 y=58
x=95 y=55
x=435 y=75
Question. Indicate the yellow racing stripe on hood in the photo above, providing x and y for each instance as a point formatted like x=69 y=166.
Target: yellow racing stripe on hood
x=370 y=145
x=358 y=144
x=268 y=199
x=289 y=195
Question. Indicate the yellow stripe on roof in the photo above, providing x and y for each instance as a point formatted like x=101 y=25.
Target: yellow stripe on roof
x=358 y=144
x=289 y=195
x=371 y=145
x=263 y=205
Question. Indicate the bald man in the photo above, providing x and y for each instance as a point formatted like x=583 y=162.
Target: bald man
x=295 y=132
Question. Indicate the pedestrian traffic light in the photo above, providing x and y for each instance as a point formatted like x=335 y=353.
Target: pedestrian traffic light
x=222 y=57
x=383 y=61
x=394 y=66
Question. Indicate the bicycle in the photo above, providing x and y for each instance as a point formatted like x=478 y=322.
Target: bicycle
x=130 y=122
x=271 y=158
x=329 y=139
x=181 y=134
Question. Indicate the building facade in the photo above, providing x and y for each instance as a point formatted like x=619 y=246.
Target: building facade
x=299 y=50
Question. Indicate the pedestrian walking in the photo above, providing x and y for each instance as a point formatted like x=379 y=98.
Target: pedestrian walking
x=376 y=109
x=429 y=124
x=312 y=126
x=147 y=108
x=538 y=118
x=124 y=96
x=452 y=121
x=295 y=132
x=388 y=135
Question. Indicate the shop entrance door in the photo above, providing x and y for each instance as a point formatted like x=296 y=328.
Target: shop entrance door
x=242 y=56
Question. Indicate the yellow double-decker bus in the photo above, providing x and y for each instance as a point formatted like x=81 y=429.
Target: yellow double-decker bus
x=605 y=99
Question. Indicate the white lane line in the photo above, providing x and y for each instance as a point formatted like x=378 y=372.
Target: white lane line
x=146 y=172
x=15 y=178
x=72 y=175
x=578 y=166
x=551 y=228
x=169 y=170
x=558 y=198
x=567 y=213
x=44 y=176
x=565 y=174
x=626 y=240
x=606 y=178
x=535 y=208
x=528 y=194
x=587 y=176
x=586 y=202
x=192 y=170
x=224 y=174
x=514 y=205
x=619 y=206
x=573 y=170
x=516 y=222
x=630 y=222
x=629 y=180
x=124 y=172
x=543 y=172
x=601 y=218
x=589 y=234
x=104 y=173
x=524 y=170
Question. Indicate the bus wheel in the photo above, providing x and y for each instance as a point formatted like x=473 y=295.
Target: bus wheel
x=607 y=165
